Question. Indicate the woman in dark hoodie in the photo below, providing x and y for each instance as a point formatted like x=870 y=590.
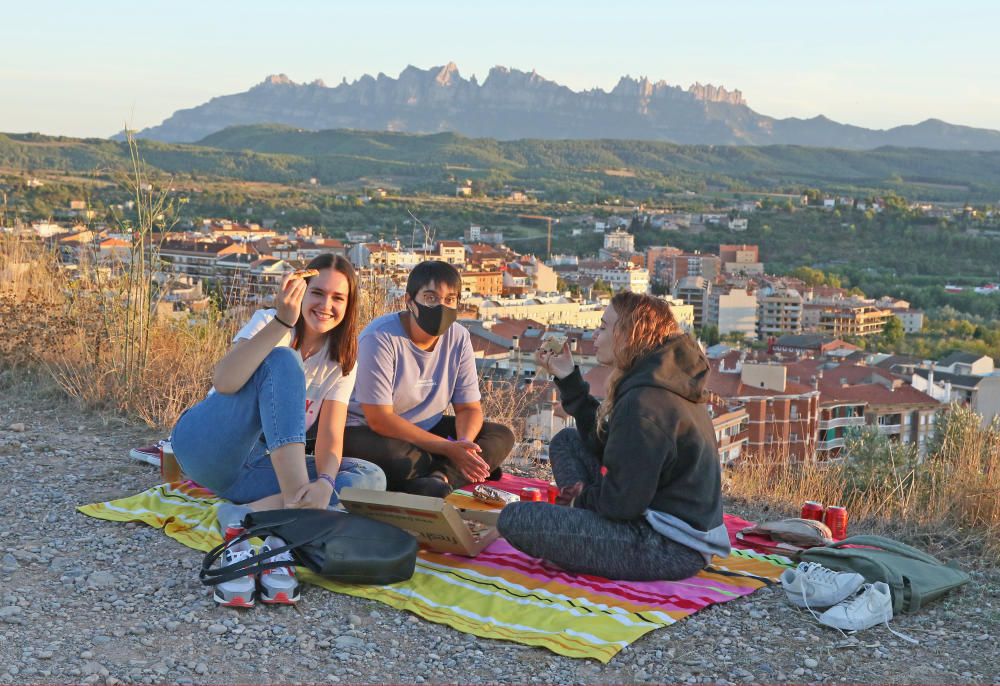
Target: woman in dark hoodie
x=656 y=510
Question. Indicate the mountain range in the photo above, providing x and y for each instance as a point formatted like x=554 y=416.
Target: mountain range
x=511 y=104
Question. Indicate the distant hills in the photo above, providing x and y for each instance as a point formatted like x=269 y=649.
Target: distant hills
x=562 y=170
x=512 y=104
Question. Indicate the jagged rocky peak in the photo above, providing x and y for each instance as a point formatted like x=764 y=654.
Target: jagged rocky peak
x=628 y=86
x=710 y=93
x=278 y=80
x=445 y=74
x=508 y=77
x=511 y=104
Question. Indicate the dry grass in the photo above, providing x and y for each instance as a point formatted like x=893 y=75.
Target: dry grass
x=79 y=327
x=953 y=494
x=93 y=327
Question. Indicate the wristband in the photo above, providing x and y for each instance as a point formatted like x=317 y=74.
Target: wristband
x=329 y=479
x=283 y=323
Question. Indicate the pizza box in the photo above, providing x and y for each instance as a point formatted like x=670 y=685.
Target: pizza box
x=435 y=523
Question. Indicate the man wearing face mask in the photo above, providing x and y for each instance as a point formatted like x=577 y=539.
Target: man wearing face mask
x=411 y=366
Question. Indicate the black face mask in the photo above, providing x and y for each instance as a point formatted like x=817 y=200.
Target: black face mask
x=435 y=320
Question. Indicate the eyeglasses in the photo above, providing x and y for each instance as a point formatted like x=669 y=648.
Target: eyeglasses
x=432 y=299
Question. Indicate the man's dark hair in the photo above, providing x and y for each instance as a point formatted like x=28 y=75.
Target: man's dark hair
x=433 y=270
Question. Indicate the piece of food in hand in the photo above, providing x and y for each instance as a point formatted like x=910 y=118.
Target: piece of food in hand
x=554 y=343
x=494 y=496
x=304 y=273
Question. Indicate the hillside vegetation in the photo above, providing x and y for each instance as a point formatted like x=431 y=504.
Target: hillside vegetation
x=563 y=170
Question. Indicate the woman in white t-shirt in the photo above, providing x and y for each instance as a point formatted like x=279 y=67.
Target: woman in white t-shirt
x=287 y=379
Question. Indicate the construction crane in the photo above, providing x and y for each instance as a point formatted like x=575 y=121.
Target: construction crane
x=548 y=221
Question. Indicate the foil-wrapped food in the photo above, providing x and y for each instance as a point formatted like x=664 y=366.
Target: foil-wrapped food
x=493 y=496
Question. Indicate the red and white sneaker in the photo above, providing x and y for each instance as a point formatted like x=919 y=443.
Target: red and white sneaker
x=278 y=586
x=149 y=454
x=239 y=592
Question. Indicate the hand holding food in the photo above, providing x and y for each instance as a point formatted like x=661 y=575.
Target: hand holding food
x=288 y=301
x=557 y=361
x=554 y=343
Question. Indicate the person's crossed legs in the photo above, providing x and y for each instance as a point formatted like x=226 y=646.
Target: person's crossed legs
x=411 y=469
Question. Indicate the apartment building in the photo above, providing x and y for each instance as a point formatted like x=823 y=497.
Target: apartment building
x=452 y=252
x=855 y=395
x=735 y=311
x=981 y=394
x=740 y=259
x=487 y=283
x=783 y=415
x=779 y=312
x=551 y=310
x=682 y=312
x=619 y=277
x=385 y=256
x=619 y=240
x=660 y=264
x=853 y=320
x=696 y=291
x=197 y=258
x=732 y=428
x=695 y=264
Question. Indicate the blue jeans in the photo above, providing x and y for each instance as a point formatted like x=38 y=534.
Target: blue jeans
x=224 y=442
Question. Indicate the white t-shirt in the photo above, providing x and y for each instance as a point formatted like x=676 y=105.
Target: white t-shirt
x=324 y=380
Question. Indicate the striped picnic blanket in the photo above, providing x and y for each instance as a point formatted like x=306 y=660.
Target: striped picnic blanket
x=502 y=593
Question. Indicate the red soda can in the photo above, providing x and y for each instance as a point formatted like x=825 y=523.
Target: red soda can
x=812 y=510
x=836 y=519
x=233 y=531
x=531 y=493
x=553 y=492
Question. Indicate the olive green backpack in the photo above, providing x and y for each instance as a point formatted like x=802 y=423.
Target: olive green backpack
x=914 y=577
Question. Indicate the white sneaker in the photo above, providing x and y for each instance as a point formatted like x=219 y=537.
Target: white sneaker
x=811 y=585
x=236 y=592
x=870 y=607
x=278 y=586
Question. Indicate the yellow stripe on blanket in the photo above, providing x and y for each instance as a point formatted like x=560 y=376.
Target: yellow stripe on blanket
x=502 y=594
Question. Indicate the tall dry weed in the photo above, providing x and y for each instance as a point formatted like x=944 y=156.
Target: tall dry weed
x=953 y=493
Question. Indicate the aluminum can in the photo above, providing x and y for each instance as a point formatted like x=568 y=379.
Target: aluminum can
x=836 y=519
x=233 y=531
x=812 y=510
x=553 y=492
x=531 y=493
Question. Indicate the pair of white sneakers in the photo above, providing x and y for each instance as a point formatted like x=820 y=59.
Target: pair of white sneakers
x=276 y=586
x=815 y=587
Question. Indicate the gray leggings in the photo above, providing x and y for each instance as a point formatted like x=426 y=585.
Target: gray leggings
x=583 y=541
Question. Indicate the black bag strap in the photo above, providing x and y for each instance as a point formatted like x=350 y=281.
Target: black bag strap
x=254 y=563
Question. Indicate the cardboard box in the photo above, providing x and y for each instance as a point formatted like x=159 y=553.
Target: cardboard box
x=434 y=522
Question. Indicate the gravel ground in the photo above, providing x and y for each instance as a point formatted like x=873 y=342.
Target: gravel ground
x=87 y=601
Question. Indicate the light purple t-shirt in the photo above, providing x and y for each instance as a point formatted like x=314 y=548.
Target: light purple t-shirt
x=418 y=384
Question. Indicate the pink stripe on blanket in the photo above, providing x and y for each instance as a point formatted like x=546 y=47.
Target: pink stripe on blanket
x=687 y=594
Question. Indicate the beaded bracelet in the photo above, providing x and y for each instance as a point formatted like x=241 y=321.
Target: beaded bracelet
x=329 y=479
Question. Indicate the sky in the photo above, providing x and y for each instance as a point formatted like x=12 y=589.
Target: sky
x=89 y=68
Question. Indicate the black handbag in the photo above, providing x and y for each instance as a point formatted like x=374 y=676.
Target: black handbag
x=342 y=547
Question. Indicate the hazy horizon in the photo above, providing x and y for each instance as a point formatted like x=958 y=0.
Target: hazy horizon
x=86 y=72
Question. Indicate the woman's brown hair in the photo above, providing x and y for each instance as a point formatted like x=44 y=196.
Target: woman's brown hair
x=342 y=340
x=644 y=323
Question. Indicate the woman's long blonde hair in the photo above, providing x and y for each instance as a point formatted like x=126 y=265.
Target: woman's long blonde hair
x=644 y=323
